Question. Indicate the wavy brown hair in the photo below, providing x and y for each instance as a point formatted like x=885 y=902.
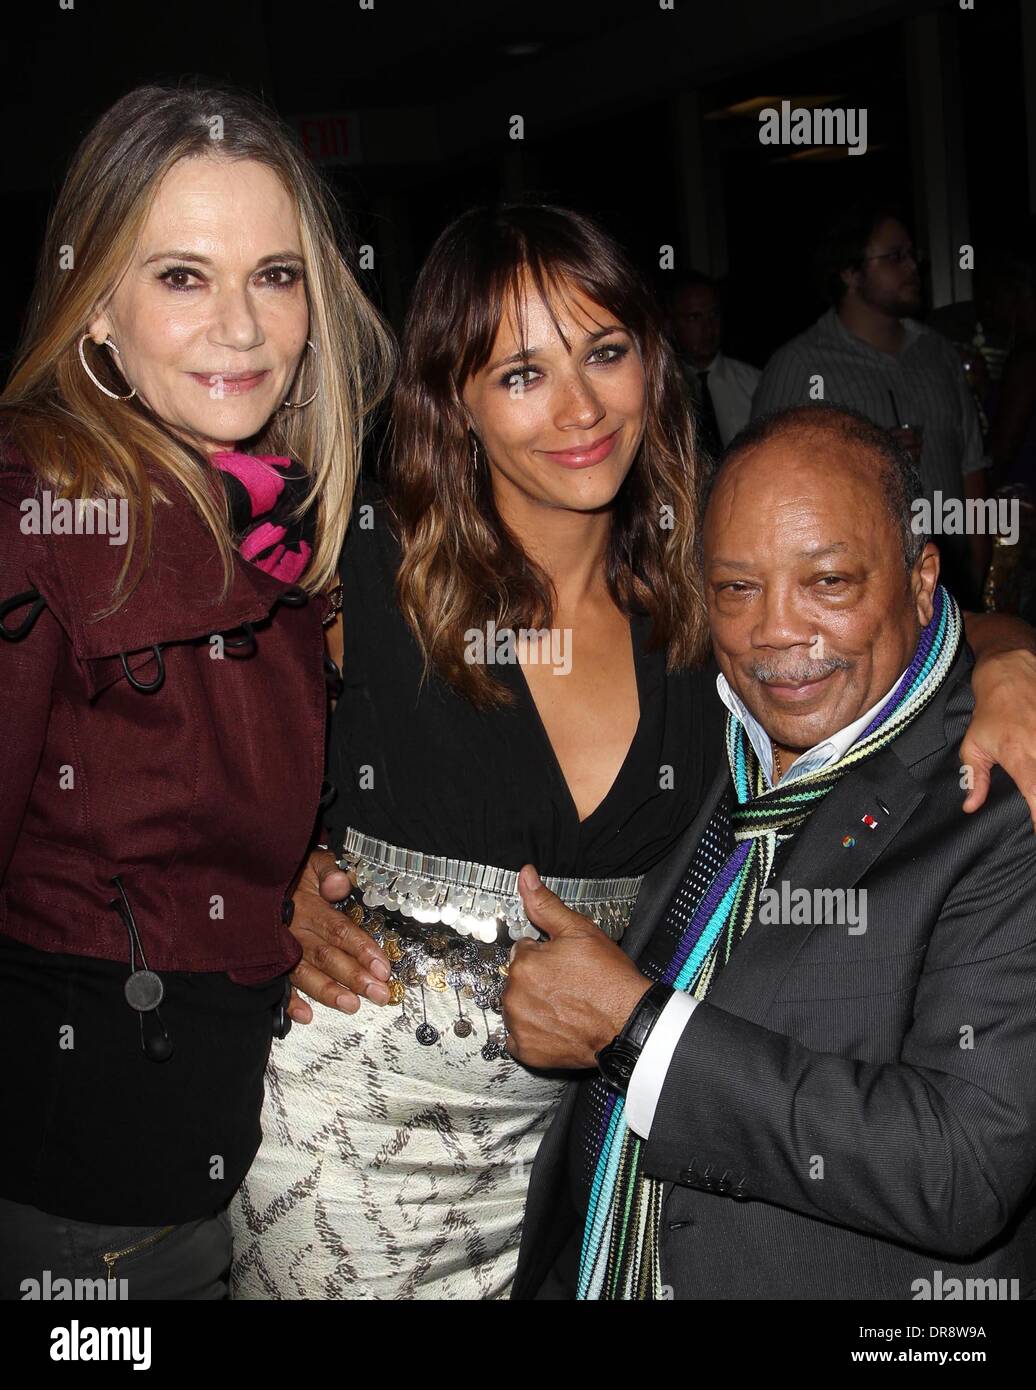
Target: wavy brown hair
x=461 y=565
x=88 y=445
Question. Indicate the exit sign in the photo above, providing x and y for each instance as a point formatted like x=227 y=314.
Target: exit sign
x=332 y=137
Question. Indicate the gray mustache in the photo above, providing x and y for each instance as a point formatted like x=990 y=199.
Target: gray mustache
x=804 y=671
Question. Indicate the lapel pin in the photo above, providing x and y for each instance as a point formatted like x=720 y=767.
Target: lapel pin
x=870 y=822
x=848 y=842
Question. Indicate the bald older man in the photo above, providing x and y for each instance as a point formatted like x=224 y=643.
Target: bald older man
x=825 y=1084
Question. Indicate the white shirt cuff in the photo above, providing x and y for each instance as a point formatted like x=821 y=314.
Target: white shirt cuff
x=649 y=1074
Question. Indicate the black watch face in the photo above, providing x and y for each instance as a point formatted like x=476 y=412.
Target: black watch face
x=617 y=1066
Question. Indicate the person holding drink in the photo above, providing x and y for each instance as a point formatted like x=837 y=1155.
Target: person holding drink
x=870 y=353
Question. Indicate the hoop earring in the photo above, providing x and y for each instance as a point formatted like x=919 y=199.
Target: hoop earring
x=297 y=405
x=86 y=368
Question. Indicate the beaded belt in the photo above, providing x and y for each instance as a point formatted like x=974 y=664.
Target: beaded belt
x=450 y=924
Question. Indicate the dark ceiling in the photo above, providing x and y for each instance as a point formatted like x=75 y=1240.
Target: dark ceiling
x=463 y=62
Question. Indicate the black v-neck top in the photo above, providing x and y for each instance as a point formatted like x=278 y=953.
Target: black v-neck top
x=421 y=767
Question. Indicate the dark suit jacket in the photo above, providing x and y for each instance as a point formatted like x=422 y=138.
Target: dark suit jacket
x=849 y=1113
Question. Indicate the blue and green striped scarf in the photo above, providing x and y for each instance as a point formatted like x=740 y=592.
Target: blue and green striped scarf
x=620 y=1252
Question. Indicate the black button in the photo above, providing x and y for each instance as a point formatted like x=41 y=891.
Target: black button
x=282 y=1020
x=287 y=911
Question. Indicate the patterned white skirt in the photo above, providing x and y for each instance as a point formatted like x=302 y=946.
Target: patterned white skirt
x=389 y=1169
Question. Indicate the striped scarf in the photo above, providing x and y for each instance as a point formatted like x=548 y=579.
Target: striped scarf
x=620 y=1252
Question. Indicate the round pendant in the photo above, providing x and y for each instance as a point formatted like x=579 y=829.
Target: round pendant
x=490 y=1051
x=463 y=1028
x=143 y=991
x=426 y=1035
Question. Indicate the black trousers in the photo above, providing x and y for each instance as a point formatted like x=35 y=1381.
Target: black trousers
x=40 y=1252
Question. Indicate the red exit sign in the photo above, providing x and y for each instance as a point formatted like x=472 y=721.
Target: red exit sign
x=330 y=138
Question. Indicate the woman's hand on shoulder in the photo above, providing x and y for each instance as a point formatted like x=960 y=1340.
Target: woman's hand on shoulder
x=341 y=964
x=1003 y=727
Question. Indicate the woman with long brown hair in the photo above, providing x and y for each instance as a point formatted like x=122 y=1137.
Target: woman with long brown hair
x=521 y=623
x=181 y=434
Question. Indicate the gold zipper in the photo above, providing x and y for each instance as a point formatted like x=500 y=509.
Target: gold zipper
x=111 y=1256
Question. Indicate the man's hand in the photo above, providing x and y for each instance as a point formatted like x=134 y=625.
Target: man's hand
x=1003 y=728
x=567 y=997
x=336 y=952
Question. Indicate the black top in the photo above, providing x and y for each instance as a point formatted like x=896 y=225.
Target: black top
x=421 y=767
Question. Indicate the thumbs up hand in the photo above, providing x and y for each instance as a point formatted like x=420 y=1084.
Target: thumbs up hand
x=568 y=996
x=546 y=911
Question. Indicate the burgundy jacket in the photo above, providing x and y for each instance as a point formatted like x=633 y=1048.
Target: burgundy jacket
x=200 y=794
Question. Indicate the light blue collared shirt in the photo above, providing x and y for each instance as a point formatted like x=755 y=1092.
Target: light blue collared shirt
x=822 y=754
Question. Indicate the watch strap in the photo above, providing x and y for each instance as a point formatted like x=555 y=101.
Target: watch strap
x=638 y=1026
x=617 y=1059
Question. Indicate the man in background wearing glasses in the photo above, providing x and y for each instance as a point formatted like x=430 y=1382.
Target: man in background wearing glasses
x=869 y=352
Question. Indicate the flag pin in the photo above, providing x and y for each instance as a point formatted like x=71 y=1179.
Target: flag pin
x=870 y=822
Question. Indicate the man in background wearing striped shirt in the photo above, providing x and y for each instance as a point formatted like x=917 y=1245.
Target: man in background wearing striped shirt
x=869 y=352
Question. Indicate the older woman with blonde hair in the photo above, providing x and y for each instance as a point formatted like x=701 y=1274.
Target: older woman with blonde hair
x=181 y=434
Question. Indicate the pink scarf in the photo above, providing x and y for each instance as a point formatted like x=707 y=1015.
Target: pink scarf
x=262 y=491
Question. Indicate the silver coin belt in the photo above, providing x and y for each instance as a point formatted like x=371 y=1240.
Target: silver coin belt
x=450 y=924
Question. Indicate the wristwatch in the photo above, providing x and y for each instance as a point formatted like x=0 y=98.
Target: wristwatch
x=617 y=1059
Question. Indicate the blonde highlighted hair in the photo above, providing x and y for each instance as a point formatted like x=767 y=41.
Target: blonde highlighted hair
x=85 y=444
